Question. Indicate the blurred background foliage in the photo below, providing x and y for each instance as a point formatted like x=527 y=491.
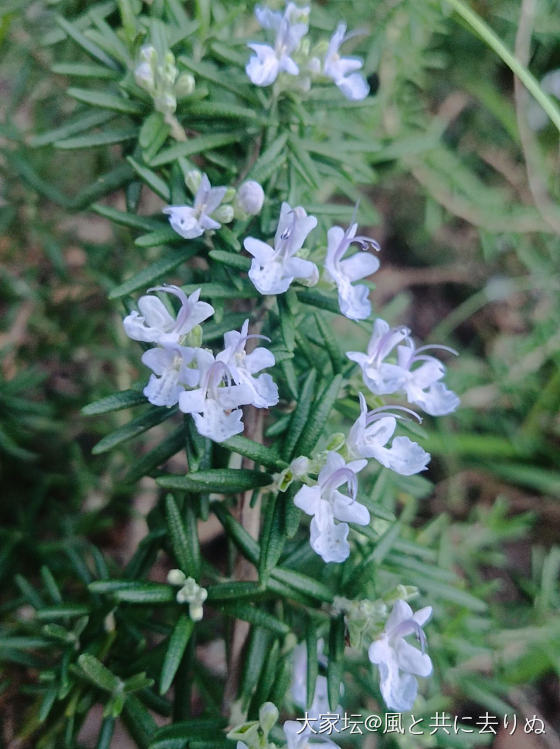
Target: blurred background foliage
x=463 y=200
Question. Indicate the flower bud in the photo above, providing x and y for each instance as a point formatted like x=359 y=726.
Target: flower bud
x=250 y=197
x=143 y=75
x=231 y=192
x=268 y=715
x=223 y=214
x=165 y=102
x=176 y=577
x=192 y=180
x=185 y=85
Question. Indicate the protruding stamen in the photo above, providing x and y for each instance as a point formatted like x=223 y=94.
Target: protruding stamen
x=379 y=413
x=341 y=476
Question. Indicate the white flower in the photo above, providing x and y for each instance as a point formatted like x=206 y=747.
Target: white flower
x=242 y=367
x=326 y=504
x=193 y=221
x=250 y=198
x=273 y=270
x=397 y=660
x=267 y=62
x=170 y=365
x=154 y=324
x=422 y=384
x=214 y=405
x=298 y=737
x=381 y=377
x=372 y=431
x=353 y=300
x=342 y=69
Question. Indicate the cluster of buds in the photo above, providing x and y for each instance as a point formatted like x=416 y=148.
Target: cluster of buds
x=213 y=206
x=189 y=592
x=158 y=75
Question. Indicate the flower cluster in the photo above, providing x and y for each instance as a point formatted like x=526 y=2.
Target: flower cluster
x=189 y=592
x=291 y=54
x=212 y=205
x=274 y=269
x=417 y=374
x=211 y=388
x=158 y=75
x=398 y=661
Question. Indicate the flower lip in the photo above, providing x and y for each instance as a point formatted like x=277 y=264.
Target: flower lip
x=348 y=477
x=409 y=627
x=185 y=310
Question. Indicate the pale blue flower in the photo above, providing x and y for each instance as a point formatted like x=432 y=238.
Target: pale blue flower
x=268 y=62
x=155 y=324
x=172 y=373
x=325 y=503
x=353 y=300
x=214 y=405
x=398 y=661
x=192 y=221
x=242 y=366
x=343 y=69
x=414 y=372
x=371 y=432
x=273 y=269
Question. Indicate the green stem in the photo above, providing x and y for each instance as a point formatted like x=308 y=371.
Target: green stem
x=495 y=43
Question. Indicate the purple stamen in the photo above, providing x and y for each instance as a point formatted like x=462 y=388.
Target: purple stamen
x=438 y=346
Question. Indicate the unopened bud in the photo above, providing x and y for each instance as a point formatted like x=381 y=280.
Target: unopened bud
x=223 y=214
x=250 y=197
x=268 y=715
x=185 y=85
x=143 y=75
x=165 y=103
x=176 y=577
x=192 y=180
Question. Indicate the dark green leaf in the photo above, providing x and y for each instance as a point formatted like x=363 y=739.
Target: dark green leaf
x=175 y=650
x=106 y=101
x=223 y=480
x=114 y=402
x=196 y=145
x=320 y=411
x=146 y=277
x=133 y=429
x=260 y=454
x=300 y=415
x=187 y=558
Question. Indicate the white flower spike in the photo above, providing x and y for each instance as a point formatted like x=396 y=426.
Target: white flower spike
x=353 y=300
x=273 y=269
x=154 y=323
x=214 y=405
x=326 y=504
x=192 y=221
x=372 y=431
x=242 y=366
x=343 y=69
x=268 y=62
x=398 y=661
